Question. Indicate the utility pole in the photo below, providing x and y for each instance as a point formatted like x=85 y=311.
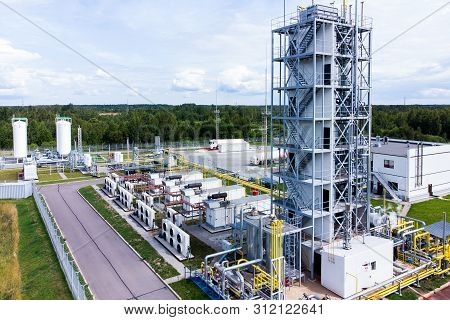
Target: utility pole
x=217 y=113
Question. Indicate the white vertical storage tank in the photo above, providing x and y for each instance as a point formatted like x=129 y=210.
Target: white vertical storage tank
x=20 y=126
x=88 y=160
x=63 y=135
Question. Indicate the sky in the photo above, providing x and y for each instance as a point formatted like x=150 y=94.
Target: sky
x=197 y=51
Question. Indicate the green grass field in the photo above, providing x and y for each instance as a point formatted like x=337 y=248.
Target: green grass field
x=148 y=253
x=430 y=211
x=188 y=290
x=9 y=175
x=406 y=295
x=40 y=274
x=390 y=206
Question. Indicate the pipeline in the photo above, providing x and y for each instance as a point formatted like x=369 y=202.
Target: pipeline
x=237 y=266
x=212 y=255
x=387 y=282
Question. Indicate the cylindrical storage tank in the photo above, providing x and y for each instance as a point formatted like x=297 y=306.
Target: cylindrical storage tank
x=63 y=135
x=20 y=137
x=116 y=157
x=88 y=160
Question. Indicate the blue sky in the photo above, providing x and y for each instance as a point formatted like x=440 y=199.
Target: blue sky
x=182 y=51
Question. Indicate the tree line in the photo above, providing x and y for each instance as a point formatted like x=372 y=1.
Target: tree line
x=109 y=124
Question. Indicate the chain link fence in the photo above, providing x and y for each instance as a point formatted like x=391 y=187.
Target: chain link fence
x=77 y=285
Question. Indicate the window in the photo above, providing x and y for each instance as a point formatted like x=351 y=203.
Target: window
x=389 y=164
x=373 y=265
x=393 y=185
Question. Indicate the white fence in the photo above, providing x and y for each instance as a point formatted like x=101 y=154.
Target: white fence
x=15 y=190
x=77 y=285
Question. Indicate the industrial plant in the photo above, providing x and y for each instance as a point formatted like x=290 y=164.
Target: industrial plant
x=310 y=232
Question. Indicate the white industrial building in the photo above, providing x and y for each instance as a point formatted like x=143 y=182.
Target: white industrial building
x=347 y=272
x=194 y=197
x=221 y=214
x=410 y=170
x=229 y=145
x=30 y=171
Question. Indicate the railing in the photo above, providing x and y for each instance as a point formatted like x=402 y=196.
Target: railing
x=77 y=285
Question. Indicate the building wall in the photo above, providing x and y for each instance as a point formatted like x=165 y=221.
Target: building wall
x=399 y=174
x=436 y=171
x=346 y=272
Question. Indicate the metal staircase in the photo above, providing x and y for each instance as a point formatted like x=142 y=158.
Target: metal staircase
x=386 y=185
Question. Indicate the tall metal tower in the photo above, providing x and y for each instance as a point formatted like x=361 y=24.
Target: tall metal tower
x=321 y=116
x=266 y=115
x=80 y=140
x=217 y=113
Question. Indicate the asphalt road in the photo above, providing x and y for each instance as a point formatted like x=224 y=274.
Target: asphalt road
x=112 y=270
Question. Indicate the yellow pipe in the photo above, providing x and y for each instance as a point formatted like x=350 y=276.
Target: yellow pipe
x=224 y=176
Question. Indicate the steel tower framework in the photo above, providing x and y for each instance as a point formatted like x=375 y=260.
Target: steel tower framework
x=321 y=116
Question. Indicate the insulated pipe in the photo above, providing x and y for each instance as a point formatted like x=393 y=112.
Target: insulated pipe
x=261 y=238
x=241 y=279
x=411 y=232
x=370 y=290
x=415 y=220
x=421 y=258
x=237 y=266
x=212 y=255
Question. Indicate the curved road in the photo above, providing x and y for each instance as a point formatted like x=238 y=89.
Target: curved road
x=111 y=268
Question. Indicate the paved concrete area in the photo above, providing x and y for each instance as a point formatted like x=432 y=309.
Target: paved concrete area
x=238 y=162
x=111 y=268
x=212 y=240
x=62 y=175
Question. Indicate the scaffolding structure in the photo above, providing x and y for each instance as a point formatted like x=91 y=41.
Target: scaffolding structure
x=321 y=116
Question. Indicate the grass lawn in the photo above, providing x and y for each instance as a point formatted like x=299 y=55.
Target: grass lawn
x=390 y=206
x=435 y=282
x=75 y=174
x=40 y=274
x=148 y=253
x=188 y=290
x=430 y=211
x=9 y=175
x=48 y=176
x=199 y=249
x=61 y=181
x=406 y=295
x=447 y=197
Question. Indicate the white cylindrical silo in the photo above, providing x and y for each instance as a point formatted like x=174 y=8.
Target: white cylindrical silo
x=88 y=160
x=63 y=135
x=20 y=137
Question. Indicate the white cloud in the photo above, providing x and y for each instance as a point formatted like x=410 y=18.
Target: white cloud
x=241 y=79
x=101 y=74
x=9 y=54
x=436 y=93
x=190 y=80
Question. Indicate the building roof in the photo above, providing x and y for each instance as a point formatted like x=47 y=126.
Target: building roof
x=397 y=147
x=437 y=229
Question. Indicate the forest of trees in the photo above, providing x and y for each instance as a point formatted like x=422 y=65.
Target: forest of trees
x=141 y=123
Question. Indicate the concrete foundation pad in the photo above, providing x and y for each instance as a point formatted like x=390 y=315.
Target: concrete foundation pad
x=208 y=228
x=107 y=193
x=121 y=206
x=142 y=224
x=172 y=250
